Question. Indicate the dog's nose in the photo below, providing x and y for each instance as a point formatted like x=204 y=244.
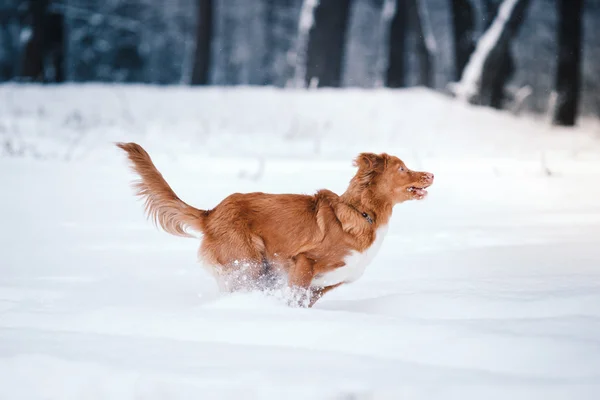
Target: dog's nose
x=428 y=177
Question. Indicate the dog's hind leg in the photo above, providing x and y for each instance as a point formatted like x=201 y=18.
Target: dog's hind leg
x=299 y=278
x=241 y=261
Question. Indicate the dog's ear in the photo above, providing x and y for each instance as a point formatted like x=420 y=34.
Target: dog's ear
x=369 y=166
x=371 y=162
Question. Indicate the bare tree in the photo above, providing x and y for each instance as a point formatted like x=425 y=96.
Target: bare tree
x=54 y=65
x=280 y=25
x=32 y=64
x=425 y=41
x=396 y=70
x=326 y=43
x=270 y=42
x=463 y=22
x=281 y=37
x=568 y=74
x=388 y=10
x=9 y=40
x=506 y=66
x=487 y=65
x=118 y=23
x=299 y=56
x=43 y=53
x=413 y=16
x=204 y=31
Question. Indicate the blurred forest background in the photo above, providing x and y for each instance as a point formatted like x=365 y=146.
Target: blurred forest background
x=535 y=56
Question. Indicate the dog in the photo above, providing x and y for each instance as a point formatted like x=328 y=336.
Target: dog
x=314 y=242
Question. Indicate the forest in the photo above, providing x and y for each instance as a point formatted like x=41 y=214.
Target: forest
x=540 y=57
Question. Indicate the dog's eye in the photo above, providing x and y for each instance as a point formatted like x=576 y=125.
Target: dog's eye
x=401 y=169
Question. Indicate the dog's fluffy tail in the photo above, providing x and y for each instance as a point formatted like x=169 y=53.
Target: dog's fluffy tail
x=162 y=205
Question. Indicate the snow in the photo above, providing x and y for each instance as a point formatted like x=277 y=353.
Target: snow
x=489 y=288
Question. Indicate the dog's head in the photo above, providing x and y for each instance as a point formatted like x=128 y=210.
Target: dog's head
x=389 y=177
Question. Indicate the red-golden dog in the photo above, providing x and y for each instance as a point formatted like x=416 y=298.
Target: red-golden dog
x=317 y=242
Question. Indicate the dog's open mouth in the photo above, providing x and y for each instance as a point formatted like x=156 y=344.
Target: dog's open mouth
x=418 y=192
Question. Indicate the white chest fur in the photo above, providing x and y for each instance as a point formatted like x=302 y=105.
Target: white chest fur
x=355 y=264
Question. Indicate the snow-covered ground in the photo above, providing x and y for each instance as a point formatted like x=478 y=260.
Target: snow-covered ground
x=490 y=288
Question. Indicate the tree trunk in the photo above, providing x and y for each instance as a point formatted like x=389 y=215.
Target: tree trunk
x=299 y=56
x=204 y=30
x=326 y=43
x=55 y=47
x=32 y=65
x=280 y=29
x=9 y=38
x=568 y=74
x=484 y=75
x=268 y=58
x=396 y=71
x=506 y=65
x=463 y=22
x=506 y=69
x=425 y=42
x=388 y=10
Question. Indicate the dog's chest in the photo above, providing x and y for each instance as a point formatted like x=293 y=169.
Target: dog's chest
x=355 y=264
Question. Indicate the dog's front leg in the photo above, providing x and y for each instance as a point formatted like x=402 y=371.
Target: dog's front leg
x=316 y=294
x=300 y=276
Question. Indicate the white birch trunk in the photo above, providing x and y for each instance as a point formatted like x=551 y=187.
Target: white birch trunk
x=387 y=14
x=430 y=42
x=298 y=57
x=471 y=87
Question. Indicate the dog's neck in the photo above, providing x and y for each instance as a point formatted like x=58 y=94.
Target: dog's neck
x=365 y=200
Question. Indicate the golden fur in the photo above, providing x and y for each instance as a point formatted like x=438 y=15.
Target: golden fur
x=300 y=236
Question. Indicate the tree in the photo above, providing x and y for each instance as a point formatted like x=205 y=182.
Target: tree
x=200 y=73
x=463 y=22
x=388 y=10
x=506 y=67
x=43 y=53
x=487 y=65
x=9 y=40
x=410 y=16
x=106 y=41
x=425 y=41
x=396 y=71
x=54 y=50
x=326 y=42
x=32 y=64
x=281 y=36
x=568 y=74
x=268 y=58
x=299 y=56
